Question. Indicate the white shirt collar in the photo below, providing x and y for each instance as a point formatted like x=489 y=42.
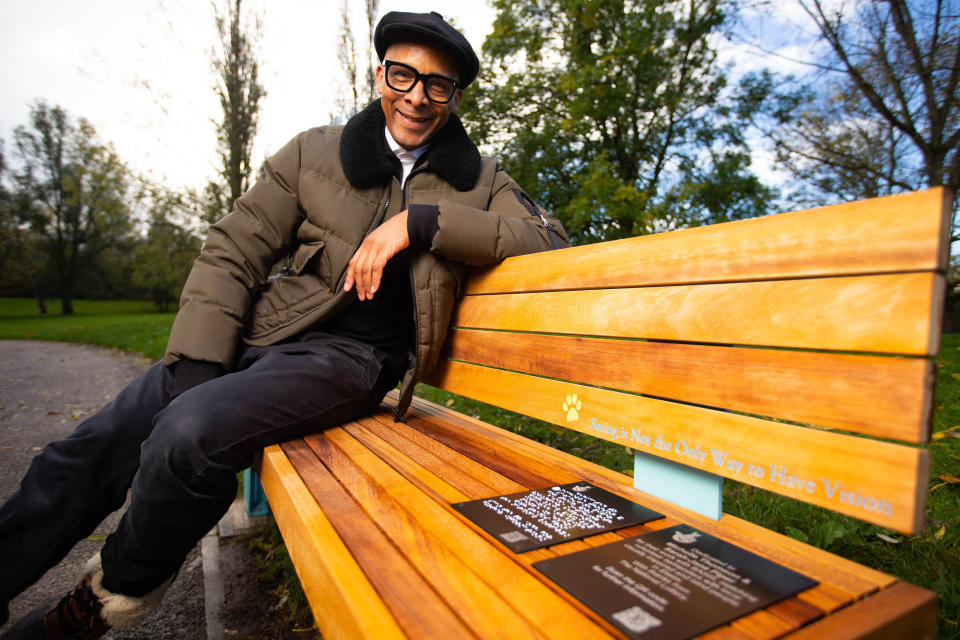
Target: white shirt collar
x=407 y=157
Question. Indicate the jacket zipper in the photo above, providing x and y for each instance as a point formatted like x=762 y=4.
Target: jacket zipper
x=376 y=223
x=400 y=410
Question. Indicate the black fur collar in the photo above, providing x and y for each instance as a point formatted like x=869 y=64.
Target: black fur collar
x=367 y=161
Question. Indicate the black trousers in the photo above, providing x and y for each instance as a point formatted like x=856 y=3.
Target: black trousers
x=179 y=458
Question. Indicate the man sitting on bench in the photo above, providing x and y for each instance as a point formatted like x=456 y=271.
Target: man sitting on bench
x=379 y=218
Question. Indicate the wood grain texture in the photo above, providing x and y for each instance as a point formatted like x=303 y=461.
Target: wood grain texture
x=880 y=396
x=344 y=604
x=644 y=342
x=795 y=611
x=881 y=314
x=902 y=611
x=843 y=239
x=431 y=532
x=848 y=580
x=874 y=481
x=762 y=625
x=419 y=610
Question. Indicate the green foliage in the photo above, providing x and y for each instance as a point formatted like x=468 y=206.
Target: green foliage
x=127 y=325
x=162 y=261
x=274 y=568
x=71 y=206
x=614 y=114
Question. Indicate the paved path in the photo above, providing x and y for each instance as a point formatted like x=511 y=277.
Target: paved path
x=46 y=389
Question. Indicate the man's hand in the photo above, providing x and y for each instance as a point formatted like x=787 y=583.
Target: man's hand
x=366 y=266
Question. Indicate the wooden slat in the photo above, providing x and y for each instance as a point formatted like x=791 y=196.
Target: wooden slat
x=826 y=598
x=884 y=314
x=880 y=396
x=483 y=609
x=725 y=633
x=833 y=467
x=902 y=611
x=844 y=239
x=419 y=610
x=762 y=625
x=344 y=604
x=445 y=489
x=377 y=436
x=444 y=534
x=796 y=612
x=842 y=578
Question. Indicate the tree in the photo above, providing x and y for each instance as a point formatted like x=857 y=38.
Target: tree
x=614 y=114
x=162 y=260
x=881 y=114
x=72 y=194
x=358 y=84
x=240 y=93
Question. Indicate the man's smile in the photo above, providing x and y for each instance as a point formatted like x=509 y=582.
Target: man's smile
x=414 y=120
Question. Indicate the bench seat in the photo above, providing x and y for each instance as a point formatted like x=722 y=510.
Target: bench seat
x=794 y=353
x=365 y=512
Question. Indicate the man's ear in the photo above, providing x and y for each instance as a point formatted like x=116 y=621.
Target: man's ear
x=457 y=97
x=379 y=75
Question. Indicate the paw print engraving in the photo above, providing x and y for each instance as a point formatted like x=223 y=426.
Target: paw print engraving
x=572 y=406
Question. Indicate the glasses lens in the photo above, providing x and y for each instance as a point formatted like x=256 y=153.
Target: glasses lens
x=439 y=89
x=402 y=78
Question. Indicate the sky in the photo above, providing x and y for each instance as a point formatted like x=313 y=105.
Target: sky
x=140 y=70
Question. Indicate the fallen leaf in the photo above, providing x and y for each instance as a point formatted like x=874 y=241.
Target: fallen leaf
x=949 y=479
x=889 y=539
x=952 y=432
x=940 y=532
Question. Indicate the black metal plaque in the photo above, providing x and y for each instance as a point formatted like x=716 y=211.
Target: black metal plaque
x=672 y=584
x=543 y=517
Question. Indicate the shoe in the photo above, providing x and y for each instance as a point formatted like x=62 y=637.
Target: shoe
x=87 y=612
x=78 y=614
x=75 y=616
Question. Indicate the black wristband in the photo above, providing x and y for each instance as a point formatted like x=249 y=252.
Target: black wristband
x=422 y=224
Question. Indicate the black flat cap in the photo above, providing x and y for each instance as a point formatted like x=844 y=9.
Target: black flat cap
x=402 y=26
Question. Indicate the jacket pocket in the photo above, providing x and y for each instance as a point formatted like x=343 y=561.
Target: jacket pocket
x=304 y=254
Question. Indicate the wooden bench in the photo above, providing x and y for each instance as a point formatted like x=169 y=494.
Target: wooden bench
x=792 y=353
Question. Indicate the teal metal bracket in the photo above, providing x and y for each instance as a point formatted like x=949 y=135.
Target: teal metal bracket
x=254 y=499
x=686 y=486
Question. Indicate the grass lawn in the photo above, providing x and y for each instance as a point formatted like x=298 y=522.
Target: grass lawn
x=931 y=560
x=121 y=324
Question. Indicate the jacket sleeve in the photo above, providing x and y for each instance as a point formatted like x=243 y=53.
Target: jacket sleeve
x=236 y=259
x=512 y=225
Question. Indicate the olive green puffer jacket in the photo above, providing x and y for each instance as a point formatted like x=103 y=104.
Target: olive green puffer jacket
x=315 y=200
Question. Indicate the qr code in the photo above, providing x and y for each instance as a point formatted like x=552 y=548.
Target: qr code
x=636 y=620
x=513 y=537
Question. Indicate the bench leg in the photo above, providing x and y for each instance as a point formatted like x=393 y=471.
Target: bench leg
x=254 y=499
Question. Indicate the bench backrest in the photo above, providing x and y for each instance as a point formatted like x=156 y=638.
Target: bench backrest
x=787 y=352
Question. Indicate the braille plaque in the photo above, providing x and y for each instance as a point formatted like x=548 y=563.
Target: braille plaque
x=544 y=517
x=672 y=584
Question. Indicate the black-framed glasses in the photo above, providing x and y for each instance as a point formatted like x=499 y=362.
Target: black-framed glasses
x=402 y=77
